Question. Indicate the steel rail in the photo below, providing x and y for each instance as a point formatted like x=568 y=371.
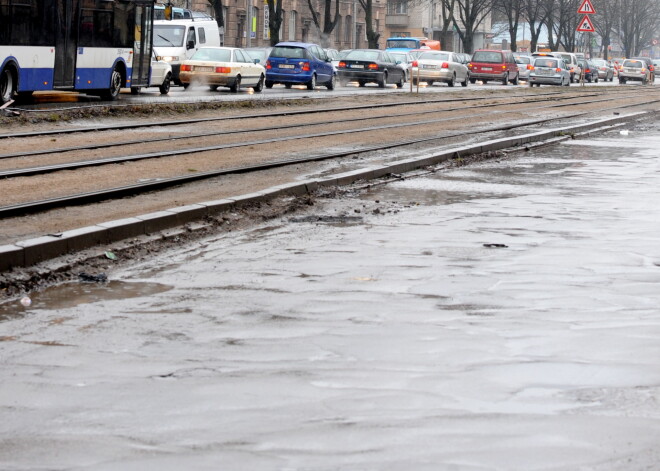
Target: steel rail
x=265 y=115
x=143 y=187
x=31 y=171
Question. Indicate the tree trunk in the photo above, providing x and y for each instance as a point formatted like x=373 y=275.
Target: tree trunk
x=274 y=20
x=372 y=36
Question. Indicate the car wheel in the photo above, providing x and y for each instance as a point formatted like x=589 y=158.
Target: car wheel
x=7 y=85
x=165 y=86
x=516 y=80
x=113 y=90
x=383 y=81
x=185 y=85
x=260 y=84
x=311 y=85
x=332 y=83
x=287 y=85
x=213 y=87
x=236 y=87
x=596 y=80
x=269 y=84
x=452 y=81
x=135 y=90
x=505 y=80
x=429 y=82
x=531 y=84
x=415 y=81
x=473 y=81
x=401 y=81
x=622 y=81
x=464 y=83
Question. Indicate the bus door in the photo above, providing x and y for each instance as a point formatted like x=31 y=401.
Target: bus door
x=65 y=43
x=143 y=44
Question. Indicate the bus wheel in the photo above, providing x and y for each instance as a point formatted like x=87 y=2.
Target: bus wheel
x=112 y=93
x=7 y=85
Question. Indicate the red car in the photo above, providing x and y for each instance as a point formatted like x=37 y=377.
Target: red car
x=493 y=65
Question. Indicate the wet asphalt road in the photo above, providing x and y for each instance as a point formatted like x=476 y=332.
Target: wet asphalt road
x=502 y=316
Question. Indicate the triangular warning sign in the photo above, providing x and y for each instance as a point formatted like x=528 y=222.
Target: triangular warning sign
x=586 y=8
x=586 y=26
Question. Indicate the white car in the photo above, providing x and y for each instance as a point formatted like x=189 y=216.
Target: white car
x=440 y=66
x=161 y=76
x=222 y=67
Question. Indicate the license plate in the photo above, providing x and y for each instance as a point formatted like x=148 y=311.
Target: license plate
x=203 y=69
x=287 y=66
x=356 y=66
x=546 y=72
x=488 y=69
x=429 y=66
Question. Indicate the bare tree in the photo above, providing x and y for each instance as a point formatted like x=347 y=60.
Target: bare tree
x=471 y=14
x=566 y=22
x=447 y=14
x=274 y=20
x=607 y=14
x=511 y=10
x=535 y=12
x=639 y=24
x=218 y=9
x=372 y=35
x=329 y=22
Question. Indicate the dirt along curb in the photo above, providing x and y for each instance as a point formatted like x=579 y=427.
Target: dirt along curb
x=171 y=223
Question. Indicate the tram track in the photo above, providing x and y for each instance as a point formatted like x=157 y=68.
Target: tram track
x=278 y=127
x=289 y=113
x=161 y=183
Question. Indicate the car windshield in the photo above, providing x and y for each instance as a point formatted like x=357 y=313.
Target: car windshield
x=599 y=62
x=260 y=54
x=168 y=35
x=433 y=56
x=363 y=55
x=288 y=52
x=215 y=55
x=487 y=56
x=522 y=60
x=399 y=57
x=633 y=64
x=550 y=63
x=402 y=43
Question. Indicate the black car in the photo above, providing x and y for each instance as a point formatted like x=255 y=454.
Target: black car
x=589 y=70
x=370 y=66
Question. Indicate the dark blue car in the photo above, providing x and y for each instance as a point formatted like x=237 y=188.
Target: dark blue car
x=292 y=63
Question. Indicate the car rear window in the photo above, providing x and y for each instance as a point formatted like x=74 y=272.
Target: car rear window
x=216 y=55
x=633 y=64
x=552 y=63
x=487 y=56
x=362 y=55
x=434 y=56
x=289 y=52
x=522 y=60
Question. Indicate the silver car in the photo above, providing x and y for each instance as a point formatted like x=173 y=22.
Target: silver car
x=549 y=70
x=524 y=66
x=605 y=69
x=403 y=60
x=440 y=66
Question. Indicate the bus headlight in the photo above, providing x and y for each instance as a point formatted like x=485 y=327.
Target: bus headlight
x=170 y=58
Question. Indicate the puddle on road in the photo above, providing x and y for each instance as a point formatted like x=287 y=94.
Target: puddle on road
x=70 y=295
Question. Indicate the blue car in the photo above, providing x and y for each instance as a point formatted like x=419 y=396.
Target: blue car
x=292 y=63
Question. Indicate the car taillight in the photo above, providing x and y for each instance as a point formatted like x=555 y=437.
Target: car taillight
x=557 y=69
x=530 y=67
x=305 y=66
x=643 y=71
x=223 y=70
x=445 y=65
x=503 y=67
x=372 y=66
x=415 y=64
x=268 y=65
x=342 y=64
x=186 y=68
x=469 y=65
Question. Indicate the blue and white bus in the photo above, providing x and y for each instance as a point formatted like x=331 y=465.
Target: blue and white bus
x=92 y=46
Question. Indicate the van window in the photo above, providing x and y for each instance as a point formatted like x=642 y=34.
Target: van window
x=202 y=35
x=191 y=36
x=168 y=35
x=487 y=56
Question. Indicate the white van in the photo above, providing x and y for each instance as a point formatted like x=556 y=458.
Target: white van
x=177 y=40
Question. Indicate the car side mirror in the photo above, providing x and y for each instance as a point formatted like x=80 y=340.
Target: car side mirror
x=190 y=45
x=256 y=61
x=398 y=62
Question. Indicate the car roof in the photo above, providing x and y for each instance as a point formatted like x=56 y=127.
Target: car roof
x=296 y=44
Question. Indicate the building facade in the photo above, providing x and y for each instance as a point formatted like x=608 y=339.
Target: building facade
x=246 y=22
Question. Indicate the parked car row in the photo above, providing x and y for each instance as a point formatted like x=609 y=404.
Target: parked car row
x=297 y=63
